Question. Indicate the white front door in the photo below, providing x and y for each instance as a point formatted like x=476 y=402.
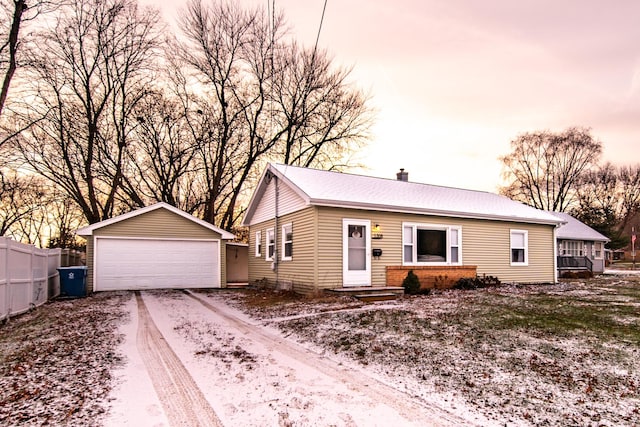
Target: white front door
x=356 y=252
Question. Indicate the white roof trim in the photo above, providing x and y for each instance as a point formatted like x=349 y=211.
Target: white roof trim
x=88 y=230
x=435 y=212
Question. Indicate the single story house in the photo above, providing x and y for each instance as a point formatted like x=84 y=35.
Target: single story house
x=158 y=246
x=312 y=230
x=580 y=247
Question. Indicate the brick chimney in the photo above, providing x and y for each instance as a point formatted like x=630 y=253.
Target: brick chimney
x=402 y=175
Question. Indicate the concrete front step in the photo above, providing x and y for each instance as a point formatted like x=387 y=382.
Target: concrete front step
x=370 y=293
x=237 y=285
x=375 y=297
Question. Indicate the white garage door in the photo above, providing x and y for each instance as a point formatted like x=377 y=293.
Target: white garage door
x=124 y=263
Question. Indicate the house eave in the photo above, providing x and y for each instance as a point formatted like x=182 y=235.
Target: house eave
x=434 y=212
x=261 y=188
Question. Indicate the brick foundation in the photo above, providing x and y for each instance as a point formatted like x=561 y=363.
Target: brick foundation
x=431 y=277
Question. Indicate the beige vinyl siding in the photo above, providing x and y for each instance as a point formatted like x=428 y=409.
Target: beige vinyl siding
x=259 y=268
x=89 y=262
x=330 y=244
x=158 y=223
x=317 y=247
x=299 y=271
x=288 y=202
x=485 y=244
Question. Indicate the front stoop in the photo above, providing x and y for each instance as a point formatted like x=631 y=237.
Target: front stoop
x=237 y=285
x=375 y=297
x=370 y=293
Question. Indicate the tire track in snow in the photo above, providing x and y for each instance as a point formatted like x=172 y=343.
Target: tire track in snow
x=181 y=398
x=420 y=414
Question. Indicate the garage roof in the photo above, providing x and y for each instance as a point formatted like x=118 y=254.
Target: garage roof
x=88 y=230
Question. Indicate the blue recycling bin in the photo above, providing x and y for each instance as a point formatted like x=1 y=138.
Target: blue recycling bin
x=73 y=281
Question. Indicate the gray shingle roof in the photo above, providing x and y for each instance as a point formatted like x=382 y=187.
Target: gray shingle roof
x=326 y=188
x=577 y=230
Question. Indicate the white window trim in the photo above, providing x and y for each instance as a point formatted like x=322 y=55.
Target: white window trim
x=526 y=248
x=270 y=231
x=285 y=241
x=258 y=243
x=447 y=228
x=593 y=248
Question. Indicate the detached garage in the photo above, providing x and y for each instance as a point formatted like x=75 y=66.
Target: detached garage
x=155 y=247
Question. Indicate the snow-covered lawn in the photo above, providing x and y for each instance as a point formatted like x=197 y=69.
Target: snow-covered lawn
x=565 y=354
x=56 y=362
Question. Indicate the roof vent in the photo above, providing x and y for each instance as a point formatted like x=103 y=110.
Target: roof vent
x=402 y=175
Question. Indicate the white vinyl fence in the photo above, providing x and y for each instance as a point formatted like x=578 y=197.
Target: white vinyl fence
x=29 y=275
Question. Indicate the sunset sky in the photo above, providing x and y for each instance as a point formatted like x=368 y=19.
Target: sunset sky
x=454 y=81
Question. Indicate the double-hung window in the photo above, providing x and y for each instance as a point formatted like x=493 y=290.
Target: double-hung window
x=572 y=248
x=271 y=244
x=287 y=242
x=258 y=243
x=519 y=247
x=597 y=250
x=431 y=244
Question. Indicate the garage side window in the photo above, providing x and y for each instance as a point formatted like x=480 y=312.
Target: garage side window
x=519 y=247
x=271 y=244
x=287 y=242
x=258 y=243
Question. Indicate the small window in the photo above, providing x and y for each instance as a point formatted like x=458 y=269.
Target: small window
x=455 y=245
x=519 y=247
x=271 y=244
x=597 y=250
x=258 y=243
x=408 y=243
x=287 y=242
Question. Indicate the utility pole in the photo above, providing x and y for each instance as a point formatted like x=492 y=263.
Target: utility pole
x=633 y=247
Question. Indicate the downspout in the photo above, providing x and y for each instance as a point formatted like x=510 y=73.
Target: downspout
x=275 y=231
x=555 y=254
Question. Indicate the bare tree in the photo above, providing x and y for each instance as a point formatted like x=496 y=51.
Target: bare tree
x=265 y=100
x=608 y=199
x=543 y=168
x=88 y=75
x=322 y=115
x=161 y=157
x=20 y=197
x=64 y=218
x=629 y=178
x=215 y=45
x=14 y=14
x=9 y=47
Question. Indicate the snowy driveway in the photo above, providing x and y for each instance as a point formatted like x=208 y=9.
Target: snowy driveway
x=194 y=360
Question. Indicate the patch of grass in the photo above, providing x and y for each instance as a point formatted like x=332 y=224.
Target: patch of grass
x=561 y=315
x=561 y=354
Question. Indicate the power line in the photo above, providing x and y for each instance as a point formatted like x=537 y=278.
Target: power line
x=319 y=28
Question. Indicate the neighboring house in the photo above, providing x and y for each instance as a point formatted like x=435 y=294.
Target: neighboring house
x=158 y=246
x=313 y=230
x=580 y=247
